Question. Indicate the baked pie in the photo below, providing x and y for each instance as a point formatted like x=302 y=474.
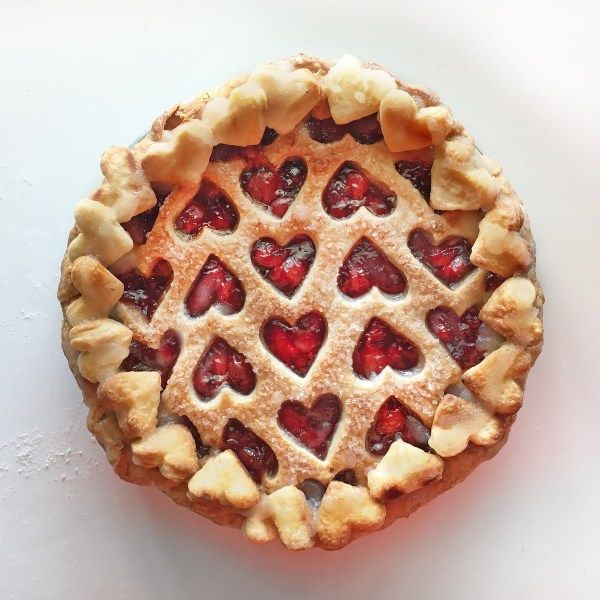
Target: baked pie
x=303 y=304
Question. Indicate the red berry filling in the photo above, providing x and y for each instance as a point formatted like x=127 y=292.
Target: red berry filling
x=284 y=266
x=347 y=476
x=365 y=131
x=492 y=281
x=254 y=453
x=276 y=189
x=448 y=261
x=209 y=207
x=418 y=173
x=380 y=346
x=225 y=153
x=296 y=345
x=201 y=449
x=458 y=334
x=141 y=225
x=221 y=365
x=395 y=422
x=366 y=266
x=217 y=285
x=147 y=292
x=313 y=427
x=163 y=359
x=349 y=189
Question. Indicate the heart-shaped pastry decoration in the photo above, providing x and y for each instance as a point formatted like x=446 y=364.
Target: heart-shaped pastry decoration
x=366 y=266
x=147 y=292
x=313 y=427
x=222 y=366
x=284 y=266
x=296 y=346
x=350 y=189
x=215 y=286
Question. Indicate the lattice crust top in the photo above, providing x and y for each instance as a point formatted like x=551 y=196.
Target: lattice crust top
x=176 y=435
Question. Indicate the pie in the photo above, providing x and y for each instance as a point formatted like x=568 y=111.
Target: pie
x=303 y=304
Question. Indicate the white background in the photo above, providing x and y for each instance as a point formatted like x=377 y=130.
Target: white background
x=78 y=77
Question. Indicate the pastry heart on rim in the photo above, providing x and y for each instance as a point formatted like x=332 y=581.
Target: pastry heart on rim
x=286 y=326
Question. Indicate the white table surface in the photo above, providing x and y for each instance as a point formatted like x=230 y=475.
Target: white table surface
x=78 y=77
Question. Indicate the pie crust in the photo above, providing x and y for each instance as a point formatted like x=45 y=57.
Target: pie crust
x=310 y=408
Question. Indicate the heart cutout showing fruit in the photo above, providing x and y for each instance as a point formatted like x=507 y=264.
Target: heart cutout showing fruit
x=296 y=346
x=313 y=427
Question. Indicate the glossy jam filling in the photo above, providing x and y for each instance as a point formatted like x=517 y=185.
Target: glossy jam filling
x=296 y=345
x=215 y=285
x=448 y=261
x=222 y=366
x=395 y=422
x=418 y=173
x=458 y=334
x=380 y=346
x=325 y=131
x=313 y=427
x=350 y=189
x=284 y=266
x=347 y=476
x=225 y=152
x=141 y=225
x=147 y=292
x=254 y=453
x=493 y=281
x=366 y=266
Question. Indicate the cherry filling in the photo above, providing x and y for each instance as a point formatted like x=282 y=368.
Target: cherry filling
x=139 y=226
x=418 y=173
x=225 y=153
x=208 y=208
x=347 y=476
x=366 y=266
x=365 y=131
x=215 y=285
x=448 y=261
x=380 y=346
x=492 y=281
x=313 y=427
x=163 y=359
x=201 y=449
x=350 y=188
x=275 y=189
x=296 y=345
x=254 y=453
x=284 y=266
x=220 y=366
x=458 y=334
x=395 y=422
x=147 y=292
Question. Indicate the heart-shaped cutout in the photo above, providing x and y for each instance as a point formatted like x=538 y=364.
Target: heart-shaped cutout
x=210 y=207
x=418 y=173
x=365 y=131
x=284 y=266
x=296 y=346
x=254 y=453
x=366 y=266
x=274 y=189
x=350 y=189
x=380 y=346
x=163 y=359
x=458 y=334
x=215 y=285
x=448 y=261
x=394 y=421
x=147 y=292
x=313 y=427
x=220 y=366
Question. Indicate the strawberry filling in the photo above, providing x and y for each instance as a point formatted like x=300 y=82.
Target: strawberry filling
x=448 y=261
x=380 y=346
x=458 y=334
x=395 y=422
x=215 y=285
x=147 y=292
x=296 y=345
x=222 y=366
x=418 y=173
x=254 y=453
x=284 y=266
x=313 y=427
x=350 y=188
x=366 y=266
